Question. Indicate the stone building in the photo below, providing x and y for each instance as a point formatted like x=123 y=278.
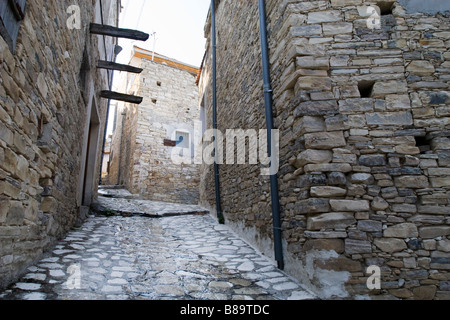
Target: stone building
x=362 y=101
x=51 y=121
x=146 y=141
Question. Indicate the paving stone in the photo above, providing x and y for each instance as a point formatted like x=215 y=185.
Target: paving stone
x=173 y=257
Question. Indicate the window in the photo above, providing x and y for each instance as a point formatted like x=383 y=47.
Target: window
x=12 y=12
x=366 y=88
x=182 y=139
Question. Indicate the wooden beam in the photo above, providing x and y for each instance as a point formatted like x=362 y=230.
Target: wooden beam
x=117 y=66
x=121 y=97
x=118 y=32
x=170 y=143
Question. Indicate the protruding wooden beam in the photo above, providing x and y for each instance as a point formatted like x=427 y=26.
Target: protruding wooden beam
x=118 y=67
x=121 y=97
x=118 y=32
x=170 y=143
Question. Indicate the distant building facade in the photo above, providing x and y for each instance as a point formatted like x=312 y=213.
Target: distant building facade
x=148 y=138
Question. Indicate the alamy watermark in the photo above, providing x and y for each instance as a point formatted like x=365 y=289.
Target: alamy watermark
x=373 y=13
x=74 y=20
x=74 y=280
x=241 y=146
x=374 y=280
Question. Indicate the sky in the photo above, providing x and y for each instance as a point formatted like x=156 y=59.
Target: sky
x=179 y=27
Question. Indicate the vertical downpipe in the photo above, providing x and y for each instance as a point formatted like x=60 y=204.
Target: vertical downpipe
x=220 y=216
x=268 y=97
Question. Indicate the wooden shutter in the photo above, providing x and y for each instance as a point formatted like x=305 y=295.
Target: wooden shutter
x=12 y=12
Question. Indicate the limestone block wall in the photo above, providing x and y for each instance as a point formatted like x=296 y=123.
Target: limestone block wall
x=363 y=119
x=170 y=105
x=48 y=91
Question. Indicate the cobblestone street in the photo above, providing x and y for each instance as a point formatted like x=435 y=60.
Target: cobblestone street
x=187 y=257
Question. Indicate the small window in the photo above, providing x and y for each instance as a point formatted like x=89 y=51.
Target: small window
x=12 y=12
x=423 y=144
x=182 y=139
x=159 y=83
x=386 y=7
x=365 y=88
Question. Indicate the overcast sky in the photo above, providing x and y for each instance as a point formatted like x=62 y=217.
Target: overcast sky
x=179 y=27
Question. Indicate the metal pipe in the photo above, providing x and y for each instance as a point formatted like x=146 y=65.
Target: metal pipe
x=268 y=97
x=220 y=216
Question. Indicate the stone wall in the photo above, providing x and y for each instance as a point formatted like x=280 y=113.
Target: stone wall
x=363 y=115
x=170 y=104
x=48 y=91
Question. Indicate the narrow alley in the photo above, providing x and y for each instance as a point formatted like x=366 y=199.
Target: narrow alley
x=136 y=257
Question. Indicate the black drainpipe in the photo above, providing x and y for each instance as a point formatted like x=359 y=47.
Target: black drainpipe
x=270 y=126
x=214 y=111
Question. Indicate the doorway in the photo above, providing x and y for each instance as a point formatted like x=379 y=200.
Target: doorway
x=89 y=155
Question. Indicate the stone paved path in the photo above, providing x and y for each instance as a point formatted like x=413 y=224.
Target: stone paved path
x=139 y=258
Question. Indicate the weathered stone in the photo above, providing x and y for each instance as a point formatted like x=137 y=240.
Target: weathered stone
x=327 y=192
x=409 y=208
x=370 y=225
x=362 y=178
x=355 y=105
x=390 y=245
x=342 y=61
x=312 y=205
x=310 y=62
x=316 y=108
x=313 y=156
x=325 y=244
x=434 y=210
x=357 y=246
x=381 y=89
x=390 y=118
x=415 y=182
x=334 y=220
x=440 y=143
x=308 y=124
x=16 y=214
x=336 y=123
x=444 y=158
x=421 y=68
x=325 y=234
x=328 y=167
x=42 y=85
x=401 y=293
x=403 y=230
x=350 y=205
x=379 y=204
x=345 y=3
x=440 y=263
x=314 y=83
x=443 y=245
x=398 y=102
x=337 y=179
x=324 y=16
x=331 y=29
x=424 y=292
x=300 y=31
x=325 y=140
x=339 y=264
x=434 y=232
x=436 y=98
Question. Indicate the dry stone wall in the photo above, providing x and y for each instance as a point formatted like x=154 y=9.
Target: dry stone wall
x=363 y=115
x=44 y=96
